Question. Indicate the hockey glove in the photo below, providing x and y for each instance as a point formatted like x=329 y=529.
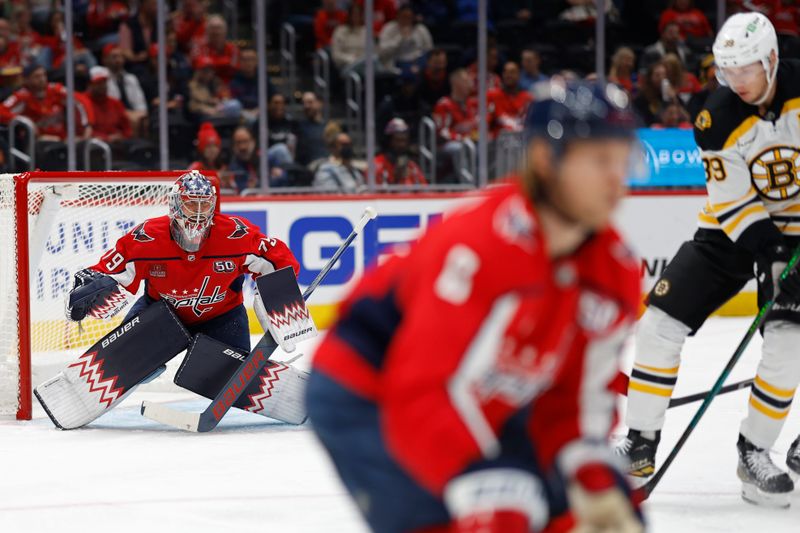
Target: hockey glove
x=600 y=502
x=769 y=266
x=496 y=500
x=93 y=294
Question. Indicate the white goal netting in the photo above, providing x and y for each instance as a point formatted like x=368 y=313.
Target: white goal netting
x=71 y=223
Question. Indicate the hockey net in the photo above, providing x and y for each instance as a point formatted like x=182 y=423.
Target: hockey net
x=52 y=225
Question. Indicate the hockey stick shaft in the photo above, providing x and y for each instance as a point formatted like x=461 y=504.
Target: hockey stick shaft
x=621 y=387
x=733 y=387
x=252 y=365
x=737 y=354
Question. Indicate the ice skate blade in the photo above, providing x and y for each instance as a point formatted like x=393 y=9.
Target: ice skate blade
x=756 y=496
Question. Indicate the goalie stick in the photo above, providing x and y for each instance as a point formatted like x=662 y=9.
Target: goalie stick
x=644 y=492
x=252 y=365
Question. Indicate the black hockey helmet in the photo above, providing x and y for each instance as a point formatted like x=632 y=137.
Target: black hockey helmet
x=579 y=110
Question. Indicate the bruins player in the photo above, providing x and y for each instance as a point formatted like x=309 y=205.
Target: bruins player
x=749 y=137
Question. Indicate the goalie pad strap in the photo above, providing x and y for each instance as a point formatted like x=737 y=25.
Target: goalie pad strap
x=276 y=392
x=113 y=366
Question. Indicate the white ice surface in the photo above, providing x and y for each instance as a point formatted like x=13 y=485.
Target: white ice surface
x=125 y=473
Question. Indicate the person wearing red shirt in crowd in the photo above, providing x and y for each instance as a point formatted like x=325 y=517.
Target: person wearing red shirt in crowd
x=509 y=103
x=209 y=146
x=394 y=166
x=224 y=55
x=492 y=79
x=456 y=116
x=385 y=10
x=45 y=104
x=327 y=18
x=103 y=17
x=110 y=121
x=190 y=24
x=464 y=386
x=9 y=50
x=691 y=21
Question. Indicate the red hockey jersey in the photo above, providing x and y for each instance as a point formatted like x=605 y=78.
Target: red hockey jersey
x=200 y=285
x=477 y=324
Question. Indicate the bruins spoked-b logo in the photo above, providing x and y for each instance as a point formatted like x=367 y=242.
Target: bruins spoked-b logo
x=774 y=172
x=661 y=288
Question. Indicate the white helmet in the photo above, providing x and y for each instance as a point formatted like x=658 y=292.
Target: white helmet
x=746 y=38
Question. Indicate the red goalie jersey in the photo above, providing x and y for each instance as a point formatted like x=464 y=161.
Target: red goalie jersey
x=200 y=285
x=476 y=325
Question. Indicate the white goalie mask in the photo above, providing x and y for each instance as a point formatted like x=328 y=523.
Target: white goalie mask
x=192 y=202
x=746 y=39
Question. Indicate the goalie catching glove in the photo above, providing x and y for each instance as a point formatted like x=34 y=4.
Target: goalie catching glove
x=94 y=294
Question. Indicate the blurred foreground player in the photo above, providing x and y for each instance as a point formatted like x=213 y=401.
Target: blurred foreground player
x=749 y=136
x=195 y=259
x=465 y=386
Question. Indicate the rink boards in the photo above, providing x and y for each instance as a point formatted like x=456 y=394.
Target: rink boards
x=654 y=223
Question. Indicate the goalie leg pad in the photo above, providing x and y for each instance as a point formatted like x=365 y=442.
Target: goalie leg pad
x=276 y=392
x=113 y=367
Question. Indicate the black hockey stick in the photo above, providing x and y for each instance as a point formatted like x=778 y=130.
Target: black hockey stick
x=648 y=488
x=252 y=365
x=683 y=400
x=677 y=402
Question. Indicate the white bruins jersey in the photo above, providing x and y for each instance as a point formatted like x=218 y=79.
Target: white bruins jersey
x=752 y=163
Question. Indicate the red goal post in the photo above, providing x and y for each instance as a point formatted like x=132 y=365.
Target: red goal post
x=40 y=213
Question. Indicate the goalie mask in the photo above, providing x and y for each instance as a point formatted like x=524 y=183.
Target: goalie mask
x=191 y=210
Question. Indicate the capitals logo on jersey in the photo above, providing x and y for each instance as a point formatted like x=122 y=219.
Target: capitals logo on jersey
x=139 y=235
x=240 y=231
x=198 y=301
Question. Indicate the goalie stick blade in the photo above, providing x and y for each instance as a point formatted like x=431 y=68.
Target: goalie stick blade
x=178 y=419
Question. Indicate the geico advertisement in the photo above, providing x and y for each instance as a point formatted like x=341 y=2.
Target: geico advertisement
x=654 y=226
x=313 y=230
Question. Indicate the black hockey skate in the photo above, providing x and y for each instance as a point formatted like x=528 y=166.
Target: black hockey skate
x=640 y=452
x=793 y=459
x=763 y=483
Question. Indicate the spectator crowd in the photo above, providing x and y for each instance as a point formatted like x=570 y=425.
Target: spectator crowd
x=425 y=61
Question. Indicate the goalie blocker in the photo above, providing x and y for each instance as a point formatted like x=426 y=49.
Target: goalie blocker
x=107 y=372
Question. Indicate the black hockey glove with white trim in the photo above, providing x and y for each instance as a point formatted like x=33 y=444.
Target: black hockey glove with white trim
x=769 y=266
x=92 y=292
